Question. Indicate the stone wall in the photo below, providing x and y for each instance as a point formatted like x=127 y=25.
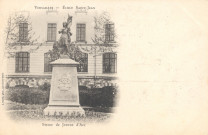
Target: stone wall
x=36 y=81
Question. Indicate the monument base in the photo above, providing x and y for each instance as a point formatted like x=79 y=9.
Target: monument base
x=64 y=93
x=64 y=111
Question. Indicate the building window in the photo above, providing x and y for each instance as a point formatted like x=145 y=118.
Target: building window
x=109 y=32
x=23 y=32
x=47 y=60
x=22 y=61
x=51 y=35
x=81 y=28
x=82 y=58
x=109 y=63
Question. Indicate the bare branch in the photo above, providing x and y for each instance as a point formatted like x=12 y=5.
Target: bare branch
x=12 y=32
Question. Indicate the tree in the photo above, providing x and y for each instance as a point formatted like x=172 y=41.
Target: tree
x=102 y=38
x=19 y=33
x=101 y=45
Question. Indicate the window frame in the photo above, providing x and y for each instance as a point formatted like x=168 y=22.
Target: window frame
x=85 y=59
x=109 y=30
x=109 y=59
x=49 y=67
x=53 y=32
x=17 y=62
x=80 y=33
x=23 y=32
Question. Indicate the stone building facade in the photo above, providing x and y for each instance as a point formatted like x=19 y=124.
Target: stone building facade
x=30 y=64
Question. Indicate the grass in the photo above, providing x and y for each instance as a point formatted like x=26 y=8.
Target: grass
x=22 y=112
x=20 y=106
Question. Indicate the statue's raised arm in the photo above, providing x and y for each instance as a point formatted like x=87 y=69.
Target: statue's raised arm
x=69 y=21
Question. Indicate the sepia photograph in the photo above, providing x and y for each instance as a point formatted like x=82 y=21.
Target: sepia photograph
x=61 y=65
x=133 y=67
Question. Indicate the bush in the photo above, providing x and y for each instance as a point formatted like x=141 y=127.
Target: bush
x=82 y=88
x=96 y=97
x=45 y=87
x=104 y=97
x=27 y=95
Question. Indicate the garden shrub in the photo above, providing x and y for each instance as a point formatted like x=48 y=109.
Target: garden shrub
x=103 y=97
x=45 y=87
x=27 y=95
x=82 y=88
x=95 y=97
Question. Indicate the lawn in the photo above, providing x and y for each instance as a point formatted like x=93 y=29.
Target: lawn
x=25 y=103
x=23 y=112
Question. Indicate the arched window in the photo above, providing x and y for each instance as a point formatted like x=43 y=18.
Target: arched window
x=22 y=62
x=109 y=63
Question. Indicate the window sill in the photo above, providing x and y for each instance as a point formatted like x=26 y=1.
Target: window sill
x=47 y=72
x=82 y=72
x=77 y=72
x=21 y=72
x=109 y=72
x=83 y=42
x=110 y=42
x=50 y=41
x=23 y=42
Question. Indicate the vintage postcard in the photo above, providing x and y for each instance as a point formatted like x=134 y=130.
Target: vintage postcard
x=104 y=67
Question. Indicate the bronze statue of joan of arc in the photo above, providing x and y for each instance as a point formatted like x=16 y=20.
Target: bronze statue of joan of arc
x=65 y=39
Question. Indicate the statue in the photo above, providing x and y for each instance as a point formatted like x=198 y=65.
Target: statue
x=64 y=92
x=63 y=48
x=63 y=44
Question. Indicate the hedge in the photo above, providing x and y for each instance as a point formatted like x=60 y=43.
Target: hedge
x=102 y=97
x=27 y=95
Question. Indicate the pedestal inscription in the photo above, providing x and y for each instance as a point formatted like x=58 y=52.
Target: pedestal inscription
x=64 y=84
x=64 y=94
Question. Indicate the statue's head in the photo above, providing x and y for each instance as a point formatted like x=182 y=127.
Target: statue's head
x=64 y=24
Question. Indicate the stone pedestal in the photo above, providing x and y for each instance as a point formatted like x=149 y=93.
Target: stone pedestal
x=64 y=94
